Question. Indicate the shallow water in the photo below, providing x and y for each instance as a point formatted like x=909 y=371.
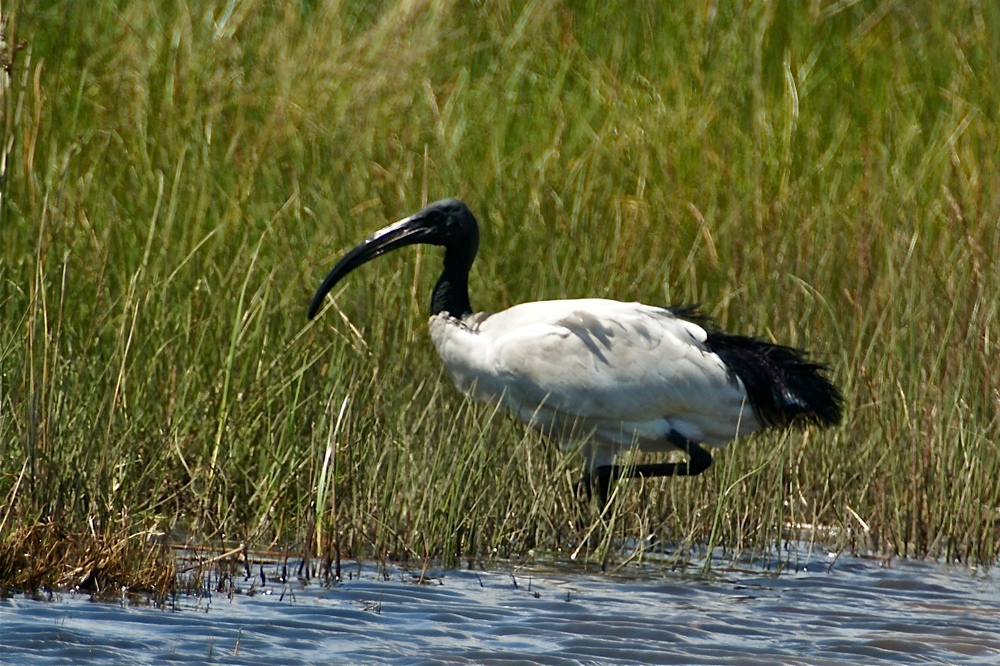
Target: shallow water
x=841 y=611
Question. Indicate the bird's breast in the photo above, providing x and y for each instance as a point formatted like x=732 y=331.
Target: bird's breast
x=465 y=355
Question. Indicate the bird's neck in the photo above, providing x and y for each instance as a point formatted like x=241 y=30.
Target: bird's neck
x=451 y=293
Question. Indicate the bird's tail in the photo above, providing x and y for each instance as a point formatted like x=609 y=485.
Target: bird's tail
x=782 y=385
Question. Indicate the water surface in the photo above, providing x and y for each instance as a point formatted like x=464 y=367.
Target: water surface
x=846 y=611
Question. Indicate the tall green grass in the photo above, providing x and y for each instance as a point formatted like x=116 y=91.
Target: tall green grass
x=179 y=176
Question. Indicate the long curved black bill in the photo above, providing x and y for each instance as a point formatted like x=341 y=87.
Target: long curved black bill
x=407 y=231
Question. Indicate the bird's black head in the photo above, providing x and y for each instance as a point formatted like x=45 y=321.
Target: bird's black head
x=447 y=223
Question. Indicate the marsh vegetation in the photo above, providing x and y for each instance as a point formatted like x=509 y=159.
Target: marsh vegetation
x=177 y=178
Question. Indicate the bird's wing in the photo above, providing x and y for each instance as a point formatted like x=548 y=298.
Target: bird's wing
x=615 y=361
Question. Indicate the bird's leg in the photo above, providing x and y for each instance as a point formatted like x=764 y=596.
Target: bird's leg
x=698 y=461
x=601 y=477
x=585 y=487
x=604 y=482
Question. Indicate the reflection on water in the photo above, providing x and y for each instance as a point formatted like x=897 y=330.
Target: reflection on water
x=856 y=611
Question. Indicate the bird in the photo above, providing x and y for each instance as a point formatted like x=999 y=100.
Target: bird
x=599 y=376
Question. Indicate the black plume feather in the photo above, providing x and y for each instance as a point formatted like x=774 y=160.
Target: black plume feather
x=783 y=386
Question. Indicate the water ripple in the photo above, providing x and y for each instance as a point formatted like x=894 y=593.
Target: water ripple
x=859 y=611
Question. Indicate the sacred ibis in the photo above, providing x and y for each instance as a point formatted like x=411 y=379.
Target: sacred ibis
x=601 y=376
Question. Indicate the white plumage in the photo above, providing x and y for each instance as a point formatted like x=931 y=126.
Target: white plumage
x=597 y=371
